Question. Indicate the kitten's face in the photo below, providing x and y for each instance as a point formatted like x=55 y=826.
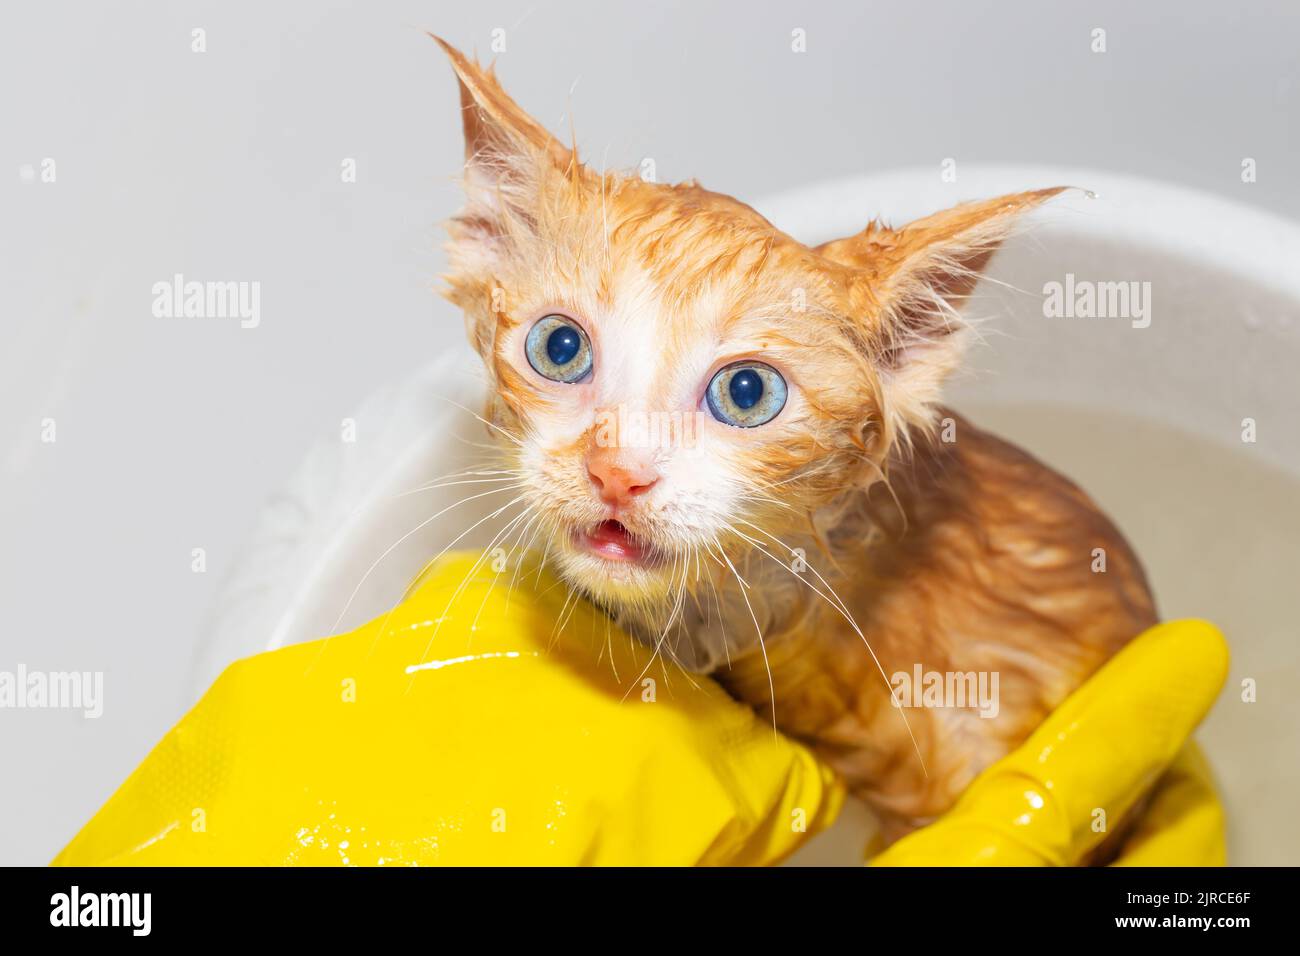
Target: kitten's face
x=708 y=388
x=677 y=380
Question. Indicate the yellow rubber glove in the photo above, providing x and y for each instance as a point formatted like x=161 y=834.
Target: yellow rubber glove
x=1091 y=761
x=511 y=746
x=510 y=742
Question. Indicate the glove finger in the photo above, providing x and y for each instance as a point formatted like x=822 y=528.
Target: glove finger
x=1088 y=763
x=1184 y=825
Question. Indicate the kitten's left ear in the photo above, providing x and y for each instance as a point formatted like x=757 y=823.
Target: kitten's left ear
x=492 y=120
x=503 y=144
x=911 y=285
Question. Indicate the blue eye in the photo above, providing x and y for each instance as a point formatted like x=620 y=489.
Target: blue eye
x=746 y=394
x=562 y=346
x=745 y=388
x=558 y=349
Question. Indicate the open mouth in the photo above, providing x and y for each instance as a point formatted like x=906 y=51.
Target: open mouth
x=612 y=541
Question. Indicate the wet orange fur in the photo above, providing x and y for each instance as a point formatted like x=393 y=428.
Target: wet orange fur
x=960 y=556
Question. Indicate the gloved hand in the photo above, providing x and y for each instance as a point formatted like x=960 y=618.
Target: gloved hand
x=1091 y=761
x=510 y=742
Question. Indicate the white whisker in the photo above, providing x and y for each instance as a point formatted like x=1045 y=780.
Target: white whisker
x=839 y=606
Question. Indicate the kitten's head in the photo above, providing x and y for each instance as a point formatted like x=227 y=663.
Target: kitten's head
x=677 y=378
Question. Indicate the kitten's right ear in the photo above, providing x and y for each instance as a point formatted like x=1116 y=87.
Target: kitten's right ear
x=503 y=144
x=910 y=286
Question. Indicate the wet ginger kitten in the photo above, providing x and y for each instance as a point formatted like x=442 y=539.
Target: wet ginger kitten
x=732 y=442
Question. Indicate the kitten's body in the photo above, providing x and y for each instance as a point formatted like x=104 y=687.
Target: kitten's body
x=954 y=556
x=987 y=575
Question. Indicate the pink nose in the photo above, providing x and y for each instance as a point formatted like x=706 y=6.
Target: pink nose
x=619 y=475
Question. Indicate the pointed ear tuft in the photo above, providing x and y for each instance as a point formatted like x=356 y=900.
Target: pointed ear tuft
x=516 y=176
x=495 y=124
x=912 y=282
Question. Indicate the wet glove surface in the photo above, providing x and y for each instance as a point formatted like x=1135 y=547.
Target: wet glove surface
x=506 y=734
x=1054 y=799
x=524 y=729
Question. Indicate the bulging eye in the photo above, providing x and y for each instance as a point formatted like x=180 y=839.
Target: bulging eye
x=746 y=394
x=558 y=349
